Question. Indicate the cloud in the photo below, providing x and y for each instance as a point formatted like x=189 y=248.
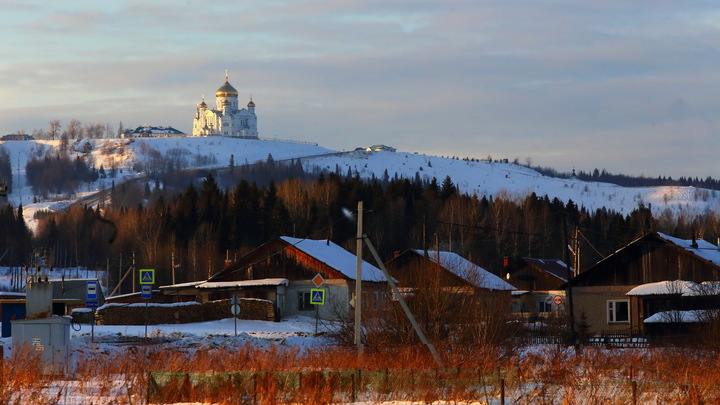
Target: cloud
x=627 y=86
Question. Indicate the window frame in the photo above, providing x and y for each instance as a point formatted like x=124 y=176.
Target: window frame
x=611 y=307
x=304 y=301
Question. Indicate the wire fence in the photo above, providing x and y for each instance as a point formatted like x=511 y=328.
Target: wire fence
x=259 y=387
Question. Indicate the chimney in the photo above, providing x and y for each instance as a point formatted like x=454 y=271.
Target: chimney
x=694 y=244
x=396 y=253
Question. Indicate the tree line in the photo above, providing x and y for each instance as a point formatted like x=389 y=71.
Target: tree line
x=187 y=234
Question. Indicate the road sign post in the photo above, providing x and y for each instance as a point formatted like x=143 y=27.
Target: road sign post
x=147 y=279
x=235 y=309
x=317 y=298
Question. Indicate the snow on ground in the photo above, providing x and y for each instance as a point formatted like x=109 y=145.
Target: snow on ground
x=483 y=178
x=291 y=331
x=514 y=181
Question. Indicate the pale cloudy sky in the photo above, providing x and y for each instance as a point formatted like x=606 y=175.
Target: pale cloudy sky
x=629 y=86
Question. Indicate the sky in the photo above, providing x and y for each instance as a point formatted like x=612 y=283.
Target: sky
x=630 y=87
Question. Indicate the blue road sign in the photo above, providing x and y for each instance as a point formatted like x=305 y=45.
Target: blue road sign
x=317 y=296
x=146 y=292
x=92 y=287
x=91 y=304
x=147 y=276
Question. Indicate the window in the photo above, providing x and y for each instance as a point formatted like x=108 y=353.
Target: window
x=618 y=311
x=544 y=306
x=304 y=301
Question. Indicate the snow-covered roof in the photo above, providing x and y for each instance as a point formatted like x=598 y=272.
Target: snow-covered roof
x=336 y=257
x=157 y=130
x=677 y=287
x=243 y=283
x=704 y=249
x=692 y=316
x=467 y=270
x=182 y=285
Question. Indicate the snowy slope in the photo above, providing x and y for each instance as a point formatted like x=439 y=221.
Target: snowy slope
x=511 y=180
x=472 y=177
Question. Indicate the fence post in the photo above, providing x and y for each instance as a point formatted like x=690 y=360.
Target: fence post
x=502 y=391
x=352 y=387
x=634 y=392
x=254 y=384
x=2 y=373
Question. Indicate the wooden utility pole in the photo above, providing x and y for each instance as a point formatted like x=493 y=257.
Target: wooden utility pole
x=358 y=279
x=133 y=273
x=571 y=315
x=404 y=305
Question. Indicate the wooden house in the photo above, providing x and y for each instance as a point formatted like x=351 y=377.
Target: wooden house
x=445 y=281
x=607 y=298
x=285 y=272
x=417 y=268
x=539 y=284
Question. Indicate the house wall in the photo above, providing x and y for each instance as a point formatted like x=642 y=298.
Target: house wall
x=336 y=298
x=265 y=262
x=649 y=260
x=593 y=302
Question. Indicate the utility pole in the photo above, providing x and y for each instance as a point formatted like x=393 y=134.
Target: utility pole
x=358 y=279
x=404 y=305
x=577 y=251
x=571 y=315
x=133 y=273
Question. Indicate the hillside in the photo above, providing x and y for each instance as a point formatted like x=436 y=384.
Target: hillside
x=129 y=157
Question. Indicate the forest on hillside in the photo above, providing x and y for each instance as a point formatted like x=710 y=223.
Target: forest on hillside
x=191 y=229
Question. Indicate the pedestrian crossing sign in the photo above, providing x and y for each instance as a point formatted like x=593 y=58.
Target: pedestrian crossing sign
x=147 y=276
x=317 y=296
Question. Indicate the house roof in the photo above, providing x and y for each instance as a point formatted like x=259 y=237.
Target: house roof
x=190 y=284
x=554 y=267
x=704 y=250
x=212 y=285
x=677 y=287
x=335 y=257
x=157 y=130
x=467 y=270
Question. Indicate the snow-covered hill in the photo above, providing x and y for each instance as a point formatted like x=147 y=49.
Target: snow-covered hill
x=512 y=180
x=471 y=177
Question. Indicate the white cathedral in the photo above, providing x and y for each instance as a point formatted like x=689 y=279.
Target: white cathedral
x=226 y=119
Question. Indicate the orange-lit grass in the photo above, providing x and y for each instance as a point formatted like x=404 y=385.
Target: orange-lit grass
x=530 y=376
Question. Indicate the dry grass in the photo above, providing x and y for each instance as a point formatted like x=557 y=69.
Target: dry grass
x=550 y=374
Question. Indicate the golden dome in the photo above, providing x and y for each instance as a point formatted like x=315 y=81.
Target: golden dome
x=251 y=104
x=226 y=90
x=202 y=105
